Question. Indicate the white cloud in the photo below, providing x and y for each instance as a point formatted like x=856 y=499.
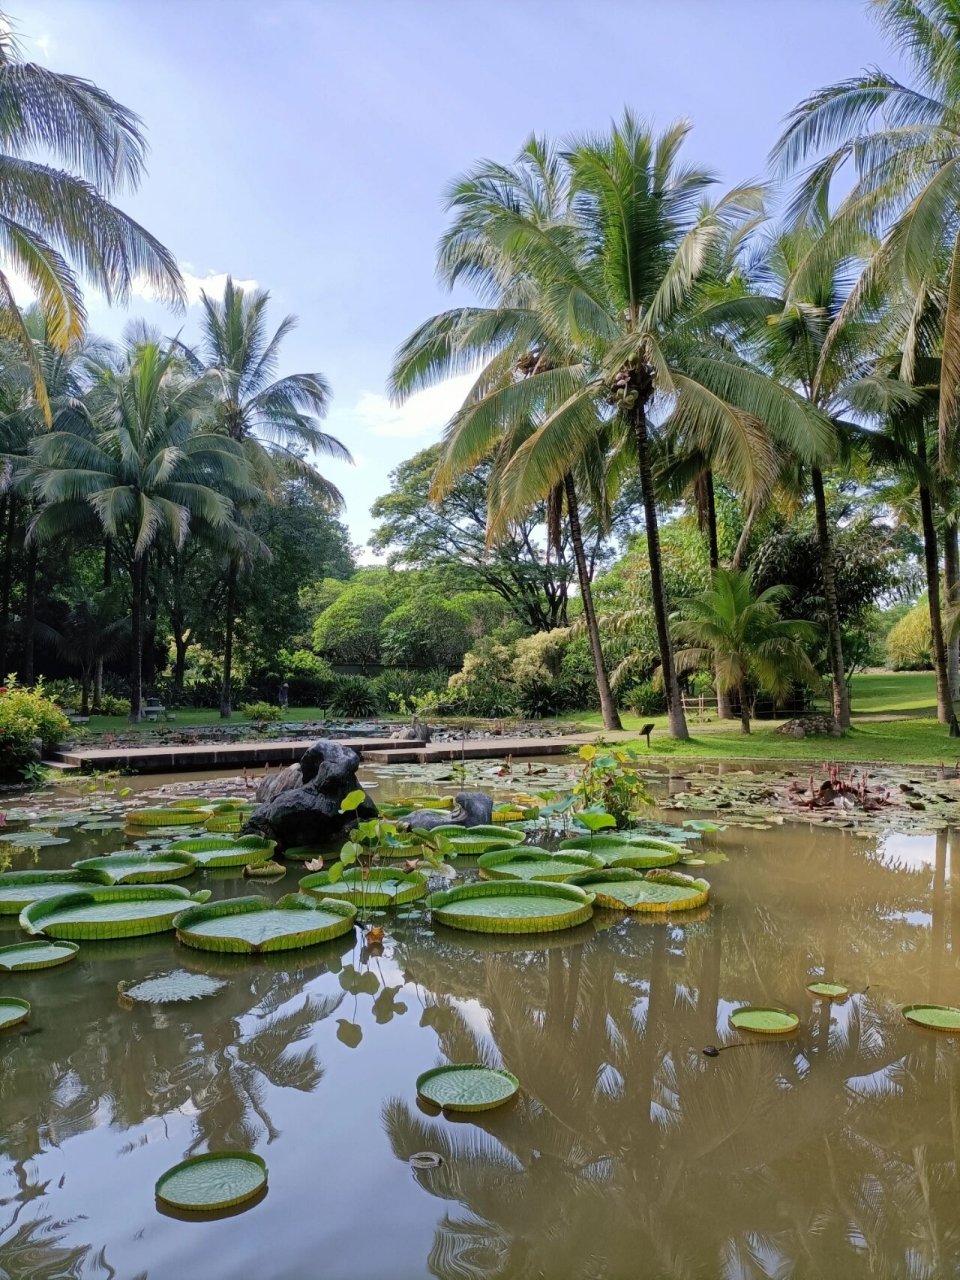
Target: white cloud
x=212 y=283
x=424 y=414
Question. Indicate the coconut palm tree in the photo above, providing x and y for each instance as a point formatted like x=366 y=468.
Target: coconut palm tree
x=477 y=248
x=143 y=465
x=275 y=421
x=902 y=143
x=56 y=220
x=743 y=636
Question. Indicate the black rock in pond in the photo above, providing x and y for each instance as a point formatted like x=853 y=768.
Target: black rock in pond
x=300 y=805
x=472 y=809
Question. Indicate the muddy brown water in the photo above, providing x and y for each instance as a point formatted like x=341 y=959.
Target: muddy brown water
x=628 y=1154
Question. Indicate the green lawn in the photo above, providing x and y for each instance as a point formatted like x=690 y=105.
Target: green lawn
x=892 y=691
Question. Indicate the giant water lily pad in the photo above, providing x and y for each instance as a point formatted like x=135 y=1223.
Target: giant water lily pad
x=377 y=887
x=122 y=911
x=223 y=851
x=636 y=856
x=536 y=864
x=12 y=1011
x=138 y=868
x=36 y=955
x=512 y=906
x=305 y=853
x=936 y=1017
x=176 y=987
x=467 y=1087
x=257 y=924
x=623 y=889
x=19 y=888
x=503 y=834
x=764 y=1021
x=471 y=846
x=185 y=816
x=828 y=990
x=214 y=1181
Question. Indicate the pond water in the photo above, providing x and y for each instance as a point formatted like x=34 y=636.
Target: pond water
x=628 y=1154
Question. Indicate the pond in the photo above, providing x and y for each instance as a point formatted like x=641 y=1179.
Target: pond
x=628 y=1153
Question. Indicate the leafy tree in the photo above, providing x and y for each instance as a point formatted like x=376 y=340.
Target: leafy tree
x=426 y=632
x=142 y=469
x=741 y=634
x=418 y=530
x=276 y=421
x=57 y=218
x=93 y=630
x=349 y=631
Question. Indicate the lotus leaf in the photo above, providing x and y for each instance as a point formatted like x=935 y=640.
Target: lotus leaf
x=377 y=887
x=12 y=1011
x=623 y=889
x=136 y=868
x=257 y=924
x=19 y=888
x=468 y=1086
x=214 y=1181
x=121 y=911
x=536 y=864
x=36 y=955
x=765 y=1022
x=512 y=906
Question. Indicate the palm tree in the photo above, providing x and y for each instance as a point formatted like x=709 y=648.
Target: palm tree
x=744 y=638
x=903 y=144
x=477 y=247
x=144 y=465
x=275 y=421
x=56 y=218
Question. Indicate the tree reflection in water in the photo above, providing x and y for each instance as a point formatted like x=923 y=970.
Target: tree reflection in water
x=628 y=1153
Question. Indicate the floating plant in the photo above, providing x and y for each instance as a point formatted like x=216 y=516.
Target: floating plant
x=467 y=1087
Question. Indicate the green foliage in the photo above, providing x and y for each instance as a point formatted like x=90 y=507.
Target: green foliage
x=262 y=712
x=354 y=697
x=426 y=631
x=610 y=791
x=349 y=630
x=544 y=674
x=27 y=718
x=311 y=679
x=909 y=641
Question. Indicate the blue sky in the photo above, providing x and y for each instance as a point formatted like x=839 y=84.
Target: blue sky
x=306 y=144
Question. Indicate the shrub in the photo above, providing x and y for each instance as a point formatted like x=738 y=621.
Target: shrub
x=909 y=640
x=261 y=712
x=111 y=705
x=644 y=698
x=27 y=717
x=311 y=679
x=355 y=697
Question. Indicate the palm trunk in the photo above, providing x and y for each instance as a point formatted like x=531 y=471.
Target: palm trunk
x=29 y=615
x=744 y=710
x=608 y=706
x=226 y=692
x=713 y=548
x=98 y=686
x=931 y=559
x=951 y=591
x=136 y=656
x=838 y=673
x=6 y=582
x=179 y=667
x=743 y=542
x=85 y=692
x=676 y=719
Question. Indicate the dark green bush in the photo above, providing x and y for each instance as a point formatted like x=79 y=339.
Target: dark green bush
x=354 y=697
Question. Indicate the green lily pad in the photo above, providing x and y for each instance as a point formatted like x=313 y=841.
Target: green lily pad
x=179 y=817
x=623 y=889
x=828 y=990
x=222 y=851
x=36 y=955
x=218 y=1180
x=536 y=864
x=12 y=1011
x=121 y=911
x=512 y=906
x=31 y=839
x=136 y=868
x=176 y=987
x=937 y=1017
x=467 y=1086
x=306 y=853
x=257 y=924
x=19 y=888
x=766 y=1022
x=378 y=887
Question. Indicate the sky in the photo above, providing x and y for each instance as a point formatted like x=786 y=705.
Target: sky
x=306 y=145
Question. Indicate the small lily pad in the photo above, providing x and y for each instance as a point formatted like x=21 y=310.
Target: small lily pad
x=218 y=1180
x=765 y=1022
x=12 y=1011
x=36 y=955
x=176 y=987
x=938 y=1017
x=828 y=990
x=467 y=1087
